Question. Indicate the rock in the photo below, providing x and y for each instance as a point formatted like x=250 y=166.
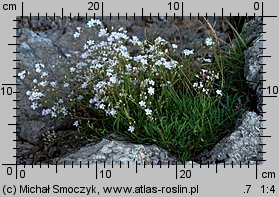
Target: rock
x=114 y=24
x=48 y=47
x=242 y=145
x=118 y=151
x=65 y=141
x=26 y=150
x=253 y=68
x=252 y=30
x=60 y=32
x=34 y=49
x=186 y=33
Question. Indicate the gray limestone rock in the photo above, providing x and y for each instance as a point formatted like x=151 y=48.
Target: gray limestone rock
x=253 y=68
x=118 y=151
x=242 y=145
x=48 y=46
x=252 y=30
x=34 y=49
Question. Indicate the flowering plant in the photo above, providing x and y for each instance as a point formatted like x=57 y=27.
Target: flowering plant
x=140 y=89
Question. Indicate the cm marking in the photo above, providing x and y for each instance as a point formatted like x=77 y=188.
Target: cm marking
x=268 y=175
x=7 y=6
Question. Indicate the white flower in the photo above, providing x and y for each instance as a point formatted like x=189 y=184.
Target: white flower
x=44 y=74
x=34 y=106
x=112 y=112
x=195 y=84
x=204 y=90
x=76 y=34
x=46 y=112
x=174 y=46
x=102 y=32
x=84 y=55
x=109 y=74
x=168 y=65
x=91 y=101
x=150 y=90
x=35 y=96
x=60 y=101
x=159 y=40
x=219 y=92
x=151 y=82
x=128 y=67
x=99 y=65
x=93 y=22
x=131 y=129
x=72 y=69
x=39 y=66
x=80 y=97
x=38 y=70
x=135 y=40
x=102 y=106
x=53 y=114
x=64 y=111
x=148 y=112
x=90 y=42
x=209 y=78
x=35 y=81
x=53 y=83
x=22 y=74
x=201 y=85
x=43 y=83
x=208 y=42
x=158 y=62
x=28 y=93
x=188 y=52
x=66 y=85
x=54 y=108
x=141 y=59
x=204 y=71
x=142 y=104
x=113 y=79
x=84 y=85
x=76 y=123
x=208 y=60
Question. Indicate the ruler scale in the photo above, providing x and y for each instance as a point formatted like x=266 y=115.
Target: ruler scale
x=102 y=179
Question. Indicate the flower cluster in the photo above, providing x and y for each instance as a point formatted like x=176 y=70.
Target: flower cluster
x=112 y=75
x=205 y=82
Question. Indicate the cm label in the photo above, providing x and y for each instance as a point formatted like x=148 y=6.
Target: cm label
x=9 y=6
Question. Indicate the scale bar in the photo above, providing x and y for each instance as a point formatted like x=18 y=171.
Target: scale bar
x=268 y=96
x=10 y=84
x=22 y=9
x=264 y=135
